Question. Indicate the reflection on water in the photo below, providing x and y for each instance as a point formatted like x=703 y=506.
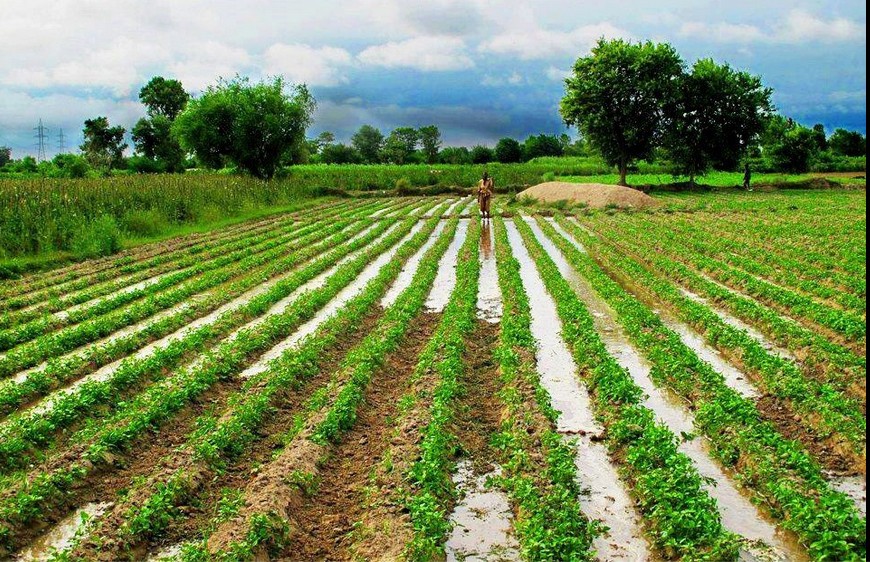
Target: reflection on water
x=489 y=305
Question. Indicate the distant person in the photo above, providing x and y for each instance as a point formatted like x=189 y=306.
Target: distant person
x=747 y=177
x=485 y=190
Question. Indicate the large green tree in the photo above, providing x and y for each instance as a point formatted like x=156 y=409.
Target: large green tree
x=848 y=143
x=103 y=145
x=253 y=125
x=508 y=151
x=715 y=115
x=542 y=145
x=164 y=97
x=399 y=147
x=617 y=97
x=430 y=141
x=368 y=141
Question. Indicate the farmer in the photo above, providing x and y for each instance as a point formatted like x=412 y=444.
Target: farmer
x=485 y=189
x=747 y=176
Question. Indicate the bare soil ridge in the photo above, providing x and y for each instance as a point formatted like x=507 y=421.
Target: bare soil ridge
x=594 y=195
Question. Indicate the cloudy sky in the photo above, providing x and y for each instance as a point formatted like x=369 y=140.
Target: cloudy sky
x=479 y=69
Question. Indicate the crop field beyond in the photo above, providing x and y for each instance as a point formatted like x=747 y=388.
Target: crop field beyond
x=397 y=379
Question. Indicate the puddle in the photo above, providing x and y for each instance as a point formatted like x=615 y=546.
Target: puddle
x=855 y=487
x=106 y=371
x=741 y=325
x=406 y=276
x=604 y=498
x=337 y=303
x=734 y=377
x=489 y=306
x=481 y=521
x=61 y=536
x=738 y=513
x=445 y=280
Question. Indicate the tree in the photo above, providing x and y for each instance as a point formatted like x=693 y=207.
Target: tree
x=154 y=140
x=164 y=97
x=430 y=139
x=400 y=145
x=820 y=136
x=715 y=114
x=482 y=155
x=254 y=126
x=508 y=150
x=5 y=155
x=71 y=165
x=848 y=143
x=795 y=151
x=617 y=97
x=340 y=154
x=542 y=145
x=454 y=155
x=368 y=141
x=103 y=145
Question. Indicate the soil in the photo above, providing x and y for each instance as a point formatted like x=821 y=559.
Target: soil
x=322 y=525
x=593 y=195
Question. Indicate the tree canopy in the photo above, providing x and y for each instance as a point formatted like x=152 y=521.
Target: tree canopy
x=103 y=145
x=617 y=97
x=252 y=125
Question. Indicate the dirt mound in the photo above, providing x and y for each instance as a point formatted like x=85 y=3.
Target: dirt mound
x=595 y=195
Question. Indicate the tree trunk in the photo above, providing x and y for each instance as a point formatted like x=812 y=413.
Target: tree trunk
x=623 y=171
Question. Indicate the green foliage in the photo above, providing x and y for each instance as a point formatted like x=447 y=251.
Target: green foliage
x=508 y=151
x=154 y=141
x=482 y=155
x=848 y=143
x=144 y=223
x=617 y=96
x=162 y=97
x=399 y=147
x=795 y=151
x=537 y=146
x=99 y=238
x=340 y=154
x=430 y=141
x=103 y=146
x=454 y=155
x=715 y=115
x=251 y=125
x=368 y=141
x=5 y=155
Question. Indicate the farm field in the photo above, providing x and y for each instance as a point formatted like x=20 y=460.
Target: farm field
x=388 y=379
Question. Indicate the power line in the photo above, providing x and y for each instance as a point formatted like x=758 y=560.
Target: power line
x=41 y=135
x=61 y=145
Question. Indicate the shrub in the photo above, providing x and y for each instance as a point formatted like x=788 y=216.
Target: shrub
x=144 y=223
x=403 y=186
x=98 y=238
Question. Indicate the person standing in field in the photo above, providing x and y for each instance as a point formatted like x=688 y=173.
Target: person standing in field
x=747 y=177
x=485 y=189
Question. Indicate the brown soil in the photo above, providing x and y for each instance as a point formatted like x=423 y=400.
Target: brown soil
x=322 y=526
x=594 y=195
x=209 y=487
x=836 y=457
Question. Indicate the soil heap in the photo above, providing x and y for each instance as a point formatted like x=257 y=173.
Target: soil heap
x=595 y=195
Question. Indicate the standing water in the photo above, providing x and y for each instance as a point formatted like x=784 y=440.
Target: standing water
x=445 y=280
x=605 y=498
x=61 y=536
x=489 y=305
x=738 y=513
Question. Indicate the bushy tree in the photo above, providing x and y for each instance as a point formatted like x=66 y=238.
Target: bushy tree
x=71 y=166
x=508 y=151
x=430 y=141
x=103 y=145
x=368 y=141
x=848 y=143
x=820 y=137
x=5 y=155
x=795 y=151
x=714 y=115
x=455 y=155
x=340 y=154
x=164 y=97
x=617 y=97
x=400 y=145
x=253 y=125
x=482 y=155
x=542 y=145
x=152 y=135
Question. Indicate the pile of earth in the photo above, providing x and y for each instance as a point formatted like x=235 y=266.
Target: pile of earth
x=594 y=195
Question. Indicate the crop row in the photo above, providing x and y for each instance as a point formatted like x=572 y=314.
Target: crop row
x=330 y=412
x=21 y=433
x=829 y=361
x=782 y=475
x=682 y=520
x=87 y=289
x=218 y=440
x=248 y=274
x=824 y=409
x=161 y=400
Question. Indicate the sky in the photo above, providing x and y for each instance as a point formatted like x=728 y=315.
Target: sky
x=479 y=69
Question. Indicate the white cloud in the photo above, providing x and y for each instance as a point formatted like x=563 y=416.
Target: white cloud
x=314 y=66
x=537 y=43
x=434 y=53
x=513 y=79
x=556 y=74
x=798 y=27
